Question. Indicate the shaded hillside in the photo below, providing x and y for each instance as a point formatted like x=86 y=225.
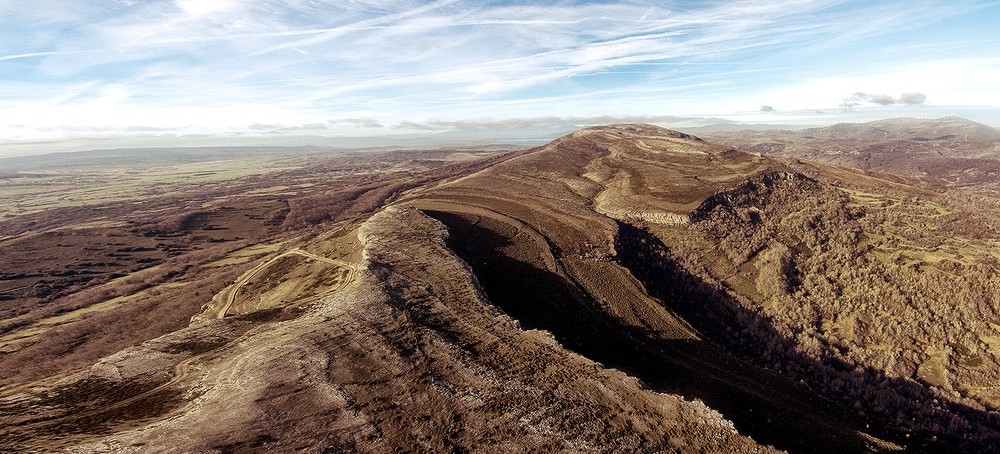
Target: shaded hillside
x=634 y=174
x=410 y=357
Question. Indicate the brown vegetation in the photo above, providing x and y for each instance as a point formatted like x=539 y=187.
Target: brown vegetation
x=433 y=301
x=875 y=287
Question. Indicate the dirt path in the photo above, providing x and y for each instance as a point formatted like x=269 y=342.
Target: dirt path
x=182 y=370
x=234 y=290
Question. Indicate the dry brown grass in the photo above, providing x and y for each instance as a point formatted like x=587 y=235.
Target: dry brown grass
x=815 y=307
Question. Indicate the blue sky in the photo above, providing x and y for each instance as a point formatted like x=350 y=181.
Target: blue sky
x=100 y=72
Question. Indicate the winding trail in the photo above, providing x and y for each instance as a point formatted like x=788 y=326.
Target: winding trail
x=249 y=275
x=182 y=370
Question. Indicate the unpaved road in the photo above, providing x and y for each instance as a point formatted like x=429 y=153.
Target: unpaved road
x=249 y=275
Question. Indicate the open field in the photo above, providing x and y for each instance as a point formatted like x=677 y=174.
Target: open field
x=95 y=187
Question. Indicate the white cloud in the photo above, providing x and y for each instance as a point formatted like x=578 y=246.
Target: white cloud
x=951 y=82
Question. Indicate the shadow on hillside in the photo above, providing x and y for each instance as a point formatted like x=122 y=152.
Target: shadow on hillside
x=764 y=405
x=741 y=331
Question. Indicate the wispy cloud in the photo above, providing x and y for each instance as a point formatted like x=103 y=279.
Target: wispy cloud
x=550 y=122
x=219 y=66
x=28 y=55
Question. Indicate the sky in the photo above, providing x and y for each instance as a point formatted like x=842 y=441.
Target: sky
x=105 y=73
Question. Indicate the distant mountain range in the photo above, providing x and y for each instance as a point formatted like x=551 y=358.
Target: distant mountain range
x=947 y=128
x=950 y=151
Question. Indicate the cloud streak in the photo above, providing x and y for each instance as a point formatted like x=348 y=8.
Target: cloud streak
x=361 y=122
x=28 y=55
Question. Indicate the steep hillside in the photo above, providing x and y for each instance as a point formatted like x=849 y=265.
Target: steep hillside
x=759 y=258
x=409 y=357
x=888 y=305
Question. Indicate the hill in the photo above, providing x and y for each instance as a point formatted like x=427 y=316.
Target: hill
x=622 y=288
